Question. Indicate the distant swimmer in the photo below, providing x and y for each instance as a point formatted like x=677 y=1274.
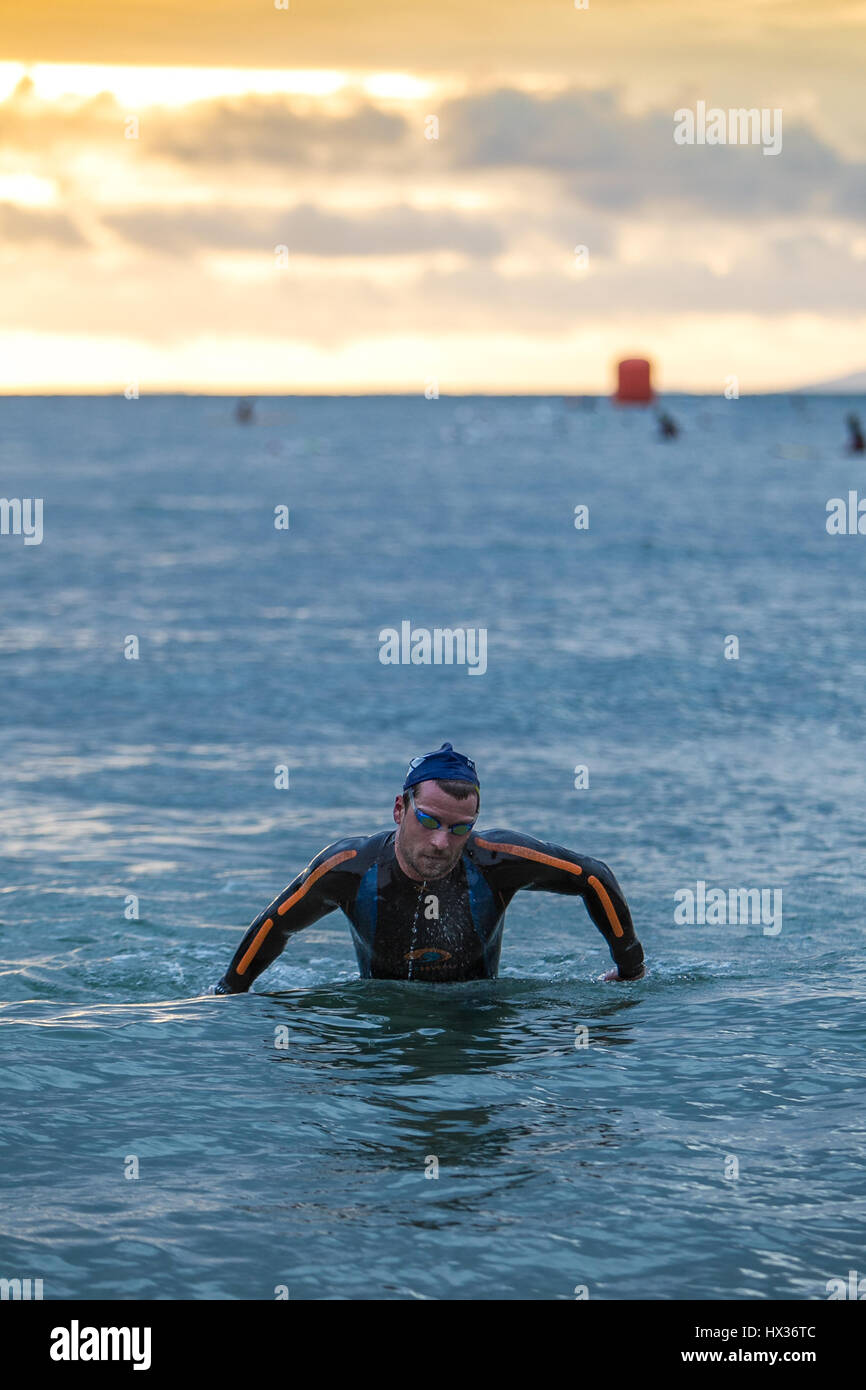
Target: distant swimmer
x=856 y=443
x=427 y=901
x=244 y=411
x=668 y=427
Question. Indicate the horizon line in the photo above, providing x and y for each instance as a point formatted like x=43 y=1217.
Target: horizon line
x=103 y=394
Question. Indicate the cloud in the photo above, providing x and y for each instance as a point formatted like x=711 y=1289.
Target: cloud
x=594 y=153
x=30 y=225
x=391 y=231
x=271 y=130
x=785 y=276
x=30 y=124
x=182 y=299
x=276 y=131
x=545 y=172
x=615 y=161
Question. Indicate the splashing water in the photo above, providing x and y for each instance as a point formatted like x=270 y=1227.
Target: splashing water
x=414 y=939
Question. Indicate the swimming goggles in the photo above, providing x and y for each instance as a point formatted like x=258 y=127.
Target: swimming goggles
x=432 y=823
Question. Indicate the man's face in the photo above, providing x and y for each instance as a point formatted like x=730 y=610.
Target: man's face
x=430 y=854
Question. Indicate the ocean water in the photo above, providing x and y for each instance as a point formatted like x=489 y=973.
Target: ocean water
x=160 y=1143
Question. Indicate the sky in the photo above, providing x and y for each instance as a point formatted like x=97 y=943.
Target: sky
x=308 y=196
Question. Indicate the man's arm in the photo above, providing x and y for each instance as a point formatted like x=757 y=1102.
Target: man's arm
x=512 y=861
x=323 y=885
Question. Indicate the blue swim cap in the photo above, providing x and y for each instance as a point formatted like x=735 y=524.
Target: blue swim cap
x=445 y=764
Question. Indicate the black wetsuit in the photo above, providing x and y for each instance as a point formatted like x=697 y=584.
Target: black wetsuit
x=442 y=929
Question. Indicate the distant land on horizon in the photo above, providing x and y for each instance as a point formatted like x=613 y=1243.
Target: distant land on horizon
x=850 y=385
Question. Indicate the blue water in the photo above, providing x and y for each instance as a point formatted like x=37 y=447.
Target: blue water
x=303 y=1166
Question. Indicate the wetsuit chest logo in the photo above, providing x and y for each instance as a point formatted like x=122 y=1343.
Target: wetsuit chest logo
x=427 y=955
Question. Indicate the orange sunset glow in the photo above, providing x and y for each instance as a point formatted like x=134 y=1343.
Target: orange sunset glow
x=332 y=197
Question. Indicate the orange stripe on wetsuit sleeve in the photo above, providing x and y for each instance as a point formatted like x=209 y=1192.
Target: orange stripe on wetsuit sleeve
x=525 y=853
x=284 y=907
x=607 y=905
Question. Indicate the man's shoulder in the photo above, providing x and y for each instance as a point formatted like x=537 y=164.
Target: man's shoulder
x=501 y=842
x=353 y=853
x=494 y=846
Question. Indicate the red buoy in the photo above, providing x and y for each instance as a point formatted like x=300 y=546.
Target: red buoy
x=635 y=383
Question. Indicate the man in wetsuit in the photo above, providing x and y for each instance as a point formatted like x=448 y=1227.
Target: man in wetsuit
x=427 y=901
